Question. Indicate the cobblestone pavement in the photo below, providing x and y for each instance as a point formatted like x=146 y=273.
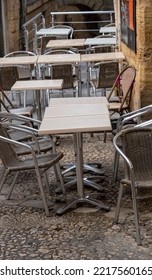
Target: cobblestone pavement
x=82 y=233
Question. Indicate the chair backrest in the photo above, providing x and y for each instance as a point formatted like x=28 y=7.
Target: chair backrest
x=134 y=116
x=24 y=71
x=42 y=42
x=7 y=152
x=106 y=36
x=137 y=147
x=107 y=74
x=100 y=49
x=19 y=53
x=124 y=85
x=126 y=80
x=63 y=71
x=59 y=51
x=8 y=76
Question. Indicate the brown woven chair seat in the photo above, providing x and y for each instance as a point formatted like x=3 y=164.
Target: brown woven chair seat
x=44 y=146
x=44 y=161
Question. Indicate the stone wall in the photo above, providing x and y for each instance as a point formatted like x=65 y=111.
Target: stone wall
x=142 y=59
x=14 y=35
x=12 y=24
x=13 y=16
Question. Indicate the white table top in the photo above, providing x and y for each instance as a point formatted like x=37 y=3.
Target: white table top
x=107 y=29
x=59 y=58
x=100 y=41
x=37 y=85
x=72 y=124
x=78 y=100
x=65 y=43
x=73 y=110
x=18 y=60
x=54 y=31
x=95 y=119
x=102 y=56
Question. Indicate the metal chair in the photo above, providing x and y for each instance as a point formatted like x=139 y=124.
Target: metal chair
x=137 y=154
x=67 y=71
x=119 y=97
x=106 y=74
x=25 y=72
x=13 y=163
x=41 y=44
x=8 y=76
x=22 y=128
x=19 y=128
x=126 y=121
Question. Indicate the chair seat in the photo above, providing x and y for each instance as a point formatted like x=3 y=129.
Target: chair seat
x=44 y=145
x=44 y=161
x=116 y=106
x=19 y=135
x=23 y=110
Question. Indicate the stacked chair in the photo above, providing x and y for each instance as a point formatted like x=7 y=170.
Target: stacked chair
x=41 y=153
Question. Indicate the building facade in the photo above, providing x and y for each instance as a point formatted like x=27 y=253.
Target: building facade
x=15 y=13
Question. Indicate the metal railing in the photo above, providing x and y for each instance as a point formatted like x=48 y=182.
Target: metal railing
x=33 y=25
x=100 y=22
x=30 y=28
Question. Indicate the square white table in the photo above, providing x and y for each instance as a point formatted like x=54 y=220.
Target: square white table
x=107 y=29
x=53 y=32
x=78 y=123
x=16 y=60
x=65 y=43
x=59 y=58
x=101 y=57
x=100 y=41
x=82 y=100
x=38 y=85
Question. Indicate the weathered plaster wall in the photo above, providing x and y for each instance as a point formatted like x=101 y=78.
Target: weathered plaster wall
x=142 y=60
x=13 y=13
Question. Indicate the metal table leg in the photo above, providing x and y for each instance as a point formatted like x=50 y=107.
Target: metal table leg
x=80 y=183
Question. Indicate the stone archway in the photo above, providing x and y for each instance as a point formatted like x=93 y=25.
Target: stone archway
x=95 y=5
x=67 y=6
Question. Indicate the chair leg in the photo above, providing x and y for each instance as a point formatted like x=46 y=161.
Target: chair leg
x=104 y=136
x=58 y=170
x=118 y=203
x=4 y=174
x=116 y=165
x=24 y=101
x=135 y=209
x=42 y=191
x=12 y=185
x=46 y=182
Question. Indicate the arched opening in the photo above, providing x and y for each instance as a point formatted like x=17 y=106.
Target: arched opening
x=86 y=22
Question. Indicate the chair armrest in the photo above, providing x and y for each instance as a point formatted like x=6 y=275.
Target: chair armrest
x=116 y=140
x=11 y=116
x=15 y=143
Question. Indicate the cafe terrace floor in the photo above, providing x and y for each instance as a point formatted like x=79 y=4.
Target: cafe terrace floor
x=84 y=233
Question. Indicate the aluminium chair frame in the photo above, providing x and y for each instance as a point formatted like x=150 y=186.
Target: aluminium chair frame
x=36 y=162
x=123 y=123
x=137 y=154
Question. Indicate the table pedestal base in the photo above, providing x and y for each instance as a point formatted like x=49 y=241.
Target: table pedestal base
x=87 y=167
x=86 y=199
x=86 y=180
